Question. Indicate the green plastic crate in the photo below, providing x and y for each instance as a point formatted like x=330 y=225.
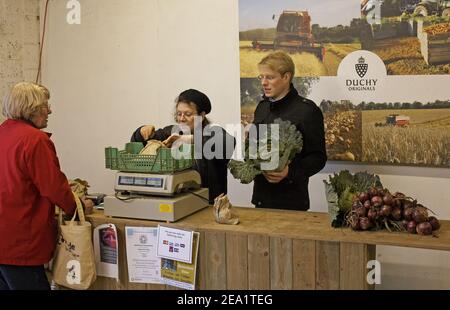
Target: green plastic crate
x=163 y=162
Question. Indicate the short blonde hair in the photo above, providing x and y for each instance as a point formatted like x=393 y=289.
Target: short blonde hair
x=24 y=100
x=44 y=90
x=280 y=62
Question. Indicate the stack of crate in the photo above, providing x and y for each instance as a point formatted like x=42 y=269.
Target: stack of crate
x=434 y=43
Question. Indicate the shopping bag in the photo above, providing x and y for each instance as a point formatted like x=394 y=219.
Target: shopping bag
x=74 y=262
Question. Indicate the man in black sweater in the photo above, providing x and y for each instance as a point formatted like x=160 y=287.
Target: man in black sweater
x=288 y=188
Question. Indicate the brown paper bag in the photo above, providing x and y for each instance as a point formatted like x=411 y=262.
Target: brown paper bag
x=74 y=263
x=223 y=211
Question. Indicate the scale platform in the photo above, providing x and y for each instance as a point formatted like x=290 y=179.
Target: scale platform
x=158 y=208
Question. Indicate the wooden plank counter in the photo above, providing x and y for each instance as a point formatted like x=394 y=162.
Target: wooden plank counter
x=274 y=249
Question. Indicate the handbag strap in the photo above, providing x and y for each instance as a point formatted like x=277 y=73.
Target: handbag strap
x=78 y=210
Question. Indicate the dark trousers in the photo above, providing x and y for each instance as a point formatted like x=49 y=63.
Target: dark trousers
x=23 y=278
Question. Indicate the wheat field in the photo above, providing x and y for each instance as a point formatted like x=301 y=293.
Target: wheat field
x=418 y=116
x=306 y=64
x=426 y=141
x=342 y=50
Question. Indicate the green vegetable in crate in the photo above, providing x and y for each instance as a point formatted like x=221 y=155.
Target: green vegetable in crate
x=290 y=143
x=341 y=189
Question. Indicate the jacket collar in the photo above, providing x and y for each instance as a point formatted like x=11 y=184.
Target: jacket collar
x=25 y=122
x=291 y=94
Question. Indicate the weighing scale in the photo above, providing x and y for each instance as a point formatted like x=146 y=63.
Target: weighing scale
x=160 y=197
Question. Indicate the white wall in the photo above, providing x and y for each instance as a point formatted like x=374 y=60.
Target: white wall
x=126 y=62
x=124 y=65
x=19 y=43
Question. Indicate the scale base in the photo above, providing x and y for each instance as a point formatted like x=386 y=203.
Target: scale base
x=168 y=209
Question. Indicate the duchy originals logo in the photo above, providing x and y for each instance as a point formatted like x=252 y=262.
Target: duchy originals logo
x=361 y=67
x=362 y=72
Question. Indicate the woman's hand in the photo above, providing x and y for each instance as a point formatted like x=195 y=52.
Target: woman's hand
x=174 y=137
x=147 y=131
x=88 y=205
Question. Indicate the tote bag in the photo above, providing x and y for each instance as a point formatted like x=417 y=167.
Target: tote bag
x=74 y=263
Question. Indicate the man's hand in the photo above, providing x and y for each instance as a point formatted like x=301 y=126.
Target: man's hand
x=147 y=131
x=276 y=176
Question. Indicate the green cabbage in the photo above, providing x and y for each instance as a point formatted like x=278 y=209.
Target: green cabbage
x=290 y=143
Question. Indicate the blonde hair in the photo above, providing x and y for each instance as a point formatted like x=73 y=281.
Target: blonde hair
x=45 y=91
x=280 y=62
x=24 y=100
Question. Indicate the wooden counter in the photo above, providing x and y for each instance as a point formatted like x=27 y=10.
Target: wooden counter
x=275 y=249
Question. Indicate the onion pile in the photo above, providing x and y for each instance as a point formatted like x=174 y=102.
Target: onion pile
x=379 y=209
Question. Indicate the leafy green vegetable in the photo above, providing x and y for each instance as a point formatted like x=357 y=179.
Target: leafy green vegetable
x=245 y=171
x=290 y=142
x=345 y=200
x=332 y=200
x=341 y=189
x=363 y=181
x=341 y=181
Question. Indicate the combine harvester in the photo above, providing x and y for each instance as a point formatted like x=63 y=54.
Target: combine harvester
x=293 y=33
x=395 y=120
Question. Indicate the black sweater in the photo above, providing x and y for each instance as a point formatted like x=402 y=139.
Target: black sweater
x=213 y=172
x=292 y=192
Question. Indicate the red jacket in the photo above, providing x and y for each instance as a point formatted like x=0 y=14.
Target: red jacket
x=31 y=184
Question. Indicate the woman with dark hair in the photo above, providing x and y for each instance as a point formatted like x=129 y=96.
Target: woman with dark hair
x=191 y=109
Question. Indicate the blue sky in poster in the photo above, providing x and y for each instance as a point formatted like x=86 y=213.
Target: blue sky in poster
x=258 y=13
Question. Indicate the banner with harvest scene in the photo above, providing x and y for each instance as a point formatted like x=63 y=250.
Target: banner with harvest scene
x=378 y=69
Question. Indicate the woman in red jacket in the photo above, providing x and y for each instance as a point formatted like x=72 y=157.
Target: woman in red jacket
x=31 y=184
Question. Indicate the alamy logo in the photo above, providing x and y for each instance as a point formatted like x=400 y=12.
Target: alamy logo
x=374 y=274
x=263 y=142
x=74 y=15
x=361 y=67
